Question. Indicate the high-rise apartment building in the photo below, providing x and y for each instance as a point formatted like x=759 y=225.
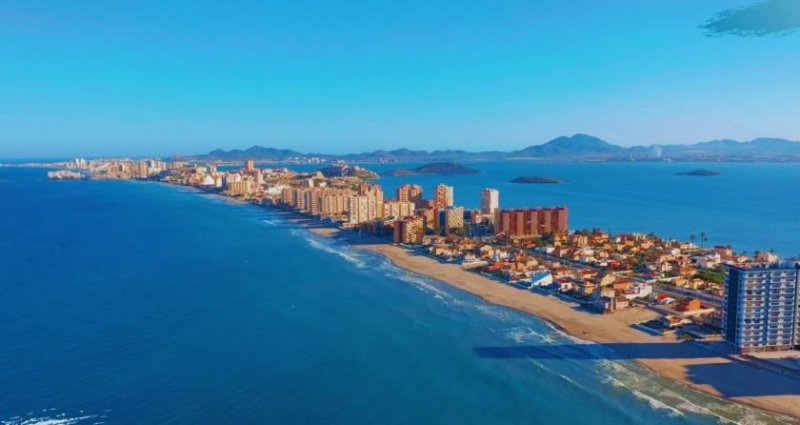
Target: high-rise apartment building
x=142 y=171
x=410 y=193
x=760 y=310
x=443 y=196
x=451 y=218
x=366 y=205
x=531 y=222
x=409 y=230
x=398 y=209
x=430 y=220
x=490 y=200
x=241 y=188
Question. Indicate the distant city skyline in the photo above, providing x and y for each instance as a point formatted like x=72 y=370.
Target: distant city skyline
x=92 y=79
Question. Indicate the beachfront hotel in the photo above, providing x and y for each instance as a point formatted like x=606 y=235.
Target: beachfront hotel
x=760 y=310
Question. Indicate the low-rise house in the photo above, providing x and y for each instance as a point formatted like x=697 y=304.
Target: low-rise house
x=605 y=279
x=637 y=290
x=564 y=285
x=541 y=278
x=689 y=304
x=585 y=288
x=670 y=322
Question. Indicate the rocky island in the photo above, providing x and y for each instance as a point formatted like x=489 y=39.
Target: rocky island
x=536 y=179
x=699 y=172
x=436 y=168
x=345 y=170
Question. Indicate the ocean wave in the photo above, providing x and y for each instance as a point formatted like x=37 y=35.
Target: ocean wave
x=496 y=312
x=644 y=388
x=568 y=380
x=270 y=222
x=48 y=418
x=524 y=334
x=656 y=404
x=420 y=282
x=661 y=394
x=347 y=256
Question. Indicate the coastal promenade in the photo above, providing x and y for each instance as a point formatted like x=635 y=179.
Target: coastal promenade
x=698 y=365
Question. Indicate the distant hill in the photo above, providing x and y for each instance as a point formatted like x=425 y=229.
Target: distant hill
x=255 y=152
x=757 y=149
x=436 y=168
x=579 y=147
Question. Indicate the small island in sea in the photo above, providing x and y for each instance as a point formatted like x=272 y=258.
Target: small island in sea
x=435 y=168
x=701 y=172
x=345 y=170
x=536 y=179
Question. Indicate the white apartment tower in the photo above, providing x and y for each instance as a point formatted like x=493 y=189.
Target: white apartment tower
x=490 y=200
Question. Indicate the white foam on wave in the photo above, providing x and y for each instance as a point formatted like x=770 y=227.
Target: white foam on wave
x=747 y=415
x=270 y=222
x=624 y=378
x=60 y=419
x=663 y=395
x=493 y=311
x=657 y=405
x=525 y=334
x=552 y=372
x=420 y=282
x=346 y=255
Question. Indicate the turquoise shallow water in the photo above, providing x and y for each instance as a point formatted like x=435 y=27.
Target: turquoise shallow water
x=135 y=302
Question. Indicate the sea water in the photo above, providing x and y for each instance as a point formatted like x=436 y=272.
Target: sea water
x=136 y=302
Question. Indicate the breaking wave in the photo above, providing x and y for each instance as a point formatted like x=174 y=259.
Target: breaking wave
x=49 y=417
x=342 y=251
x=420 y=282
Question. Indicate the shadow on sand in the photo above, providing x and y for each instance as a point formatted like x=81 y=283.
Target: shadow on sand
x=703 y=363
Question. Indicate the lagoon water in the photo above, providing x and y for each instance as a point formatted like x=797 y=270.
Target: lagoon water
x=137 y=302
x=753 y=206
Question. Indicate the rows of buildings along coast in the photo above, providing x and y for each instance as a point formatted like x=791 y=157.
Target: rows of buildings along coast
x=702 y=292
x=408 y=217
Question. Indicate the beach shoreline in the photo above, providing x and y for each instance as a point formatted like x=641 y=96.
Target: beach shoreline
x=688 y=364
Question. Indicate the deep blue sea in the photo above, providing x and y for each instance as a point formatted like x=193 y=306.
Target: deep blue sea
x=140 y=303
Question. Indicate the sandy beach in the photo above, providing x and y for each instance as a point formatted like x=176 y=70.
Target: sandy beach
x=689 y=363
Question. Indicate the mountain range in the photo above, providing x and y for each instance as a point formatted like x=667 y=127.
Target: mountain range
x=577 y=147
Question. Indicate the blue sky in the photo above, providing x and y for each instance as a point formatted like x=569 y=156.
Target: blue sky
x=162 y=77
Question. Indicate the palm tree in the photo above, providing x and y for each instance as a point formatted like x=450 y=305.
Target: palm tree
x=692 y=238
x=703 y=239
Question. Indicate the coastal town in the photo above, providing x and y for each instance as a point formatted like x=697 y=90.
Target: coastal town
x=690 y=285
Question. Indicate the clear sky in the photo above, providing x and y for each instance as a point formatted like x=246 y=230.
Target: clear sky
x=161 y=77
